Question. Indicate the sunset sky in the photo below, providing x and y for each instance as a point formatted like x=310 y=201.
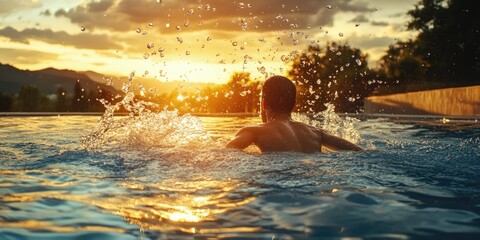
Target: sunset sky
x=192 y=40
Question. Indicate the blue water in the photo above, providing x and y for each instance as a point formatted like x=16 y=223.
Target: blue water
x=417 y=180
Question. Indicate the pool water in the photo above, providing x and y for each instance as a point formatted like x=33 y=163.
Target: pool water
x=170 y=178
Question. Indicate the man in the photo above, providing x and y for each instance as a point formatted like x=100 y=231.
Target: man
x=279 y=133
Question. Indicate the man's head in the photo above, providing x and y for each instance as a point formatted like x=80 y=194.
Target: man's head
x=278 y=95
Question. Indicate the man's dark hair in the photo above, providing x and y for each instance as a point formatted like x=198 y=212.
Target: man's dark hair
x=279 y=94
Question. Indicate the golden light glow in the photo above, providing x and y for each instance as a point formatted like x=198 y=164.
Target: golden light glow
x=162 y=212
x=202 y=52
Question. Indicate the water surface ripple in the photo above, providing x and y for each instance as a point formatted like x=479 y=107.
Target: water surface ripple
x=415 y=181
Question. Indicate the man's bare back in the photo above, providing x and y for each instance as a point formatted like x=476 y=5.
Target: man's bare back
x=287 y=135
x=279 y=133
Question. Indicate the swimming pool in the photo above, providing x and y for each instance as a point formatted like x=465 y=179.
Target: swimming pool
x=173 y=180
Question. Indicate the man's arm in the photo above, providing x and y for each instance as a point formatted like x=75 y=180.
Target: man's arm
x=242 y=139
x=336 y=143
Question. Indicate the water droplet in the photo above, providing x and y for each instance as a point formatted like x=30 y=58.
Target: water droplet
x=329 y=7
x=241 y=5
x=339 y=53
x=82 y=28
x=242 y=47
x=178 y=27
x=209 y=38
x=295 y=42
x=146 y=55
x=187 y=53
x=340 y=34
x=359 y=63
x=261 y=69
x=138 y=30
x=179 y=39
x=186 y=23
x=234 y=43
x=167 y=25
x=161 y=49
x=191 y=11
x=358 y=24
x=150 y=24
x=150 y=45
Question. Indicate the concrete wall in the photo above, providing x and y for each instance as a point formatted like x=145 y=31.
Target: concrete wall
x=463 y=101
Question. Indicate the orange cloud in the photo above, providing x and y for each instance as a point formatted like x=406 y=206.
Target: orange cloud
x=86 y=41
x=190 y=15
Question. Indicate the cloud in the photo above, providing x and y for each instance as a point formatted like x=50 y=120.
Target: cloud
x=348 y=6
x=9 y=6
x=24 y=56
x=359 y=19
x=193 y=15
x=380 y=24
x=46 y=13
x=397 y=15
x=83 y=40
x=367 y=42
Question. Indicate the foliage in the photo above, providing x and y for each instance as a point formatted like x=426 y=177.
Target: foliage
x=30 y=99
x=239 y=94
x=61 y=104
x=6 y=102
x=449 y=38
x=337 y=74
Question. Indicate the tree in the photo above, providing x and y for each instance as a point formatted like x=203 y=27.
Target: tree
x=337 y=74
x=28 y=99
x=79 y=100
x=242 y=93
x=61 y=104
x=401 y=65
x=5 y=103
x=449 y=38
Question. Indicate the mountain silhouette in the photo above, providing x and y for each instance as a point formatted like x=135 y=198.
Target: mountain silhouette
x=46 y=80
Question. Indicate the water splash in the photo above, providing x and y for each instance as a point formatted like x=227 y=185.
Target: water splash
x=143 y=127
x=329 y=121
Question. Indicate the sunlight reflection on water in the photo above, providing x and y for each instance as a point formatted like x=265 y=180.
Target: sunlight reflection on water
x=51 y=187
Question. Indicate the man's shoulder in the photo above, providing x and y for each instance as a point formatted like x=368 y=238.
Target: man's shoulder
x=250 y=129
x=306 y=126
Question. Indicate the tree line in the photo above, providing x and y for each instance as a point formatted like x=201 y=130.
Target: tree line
x=31 y=99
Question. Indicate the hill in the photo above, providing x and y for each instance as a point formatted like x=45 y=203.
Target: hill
x=148 y=83
x=46 y=80
x=50 y=79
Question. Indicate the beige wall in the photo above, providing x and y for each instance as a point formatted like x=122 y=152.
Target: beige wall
x=464 y=101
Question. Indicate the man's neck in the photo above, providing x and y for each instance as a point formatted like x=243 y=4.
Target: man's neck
x=279 y=117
